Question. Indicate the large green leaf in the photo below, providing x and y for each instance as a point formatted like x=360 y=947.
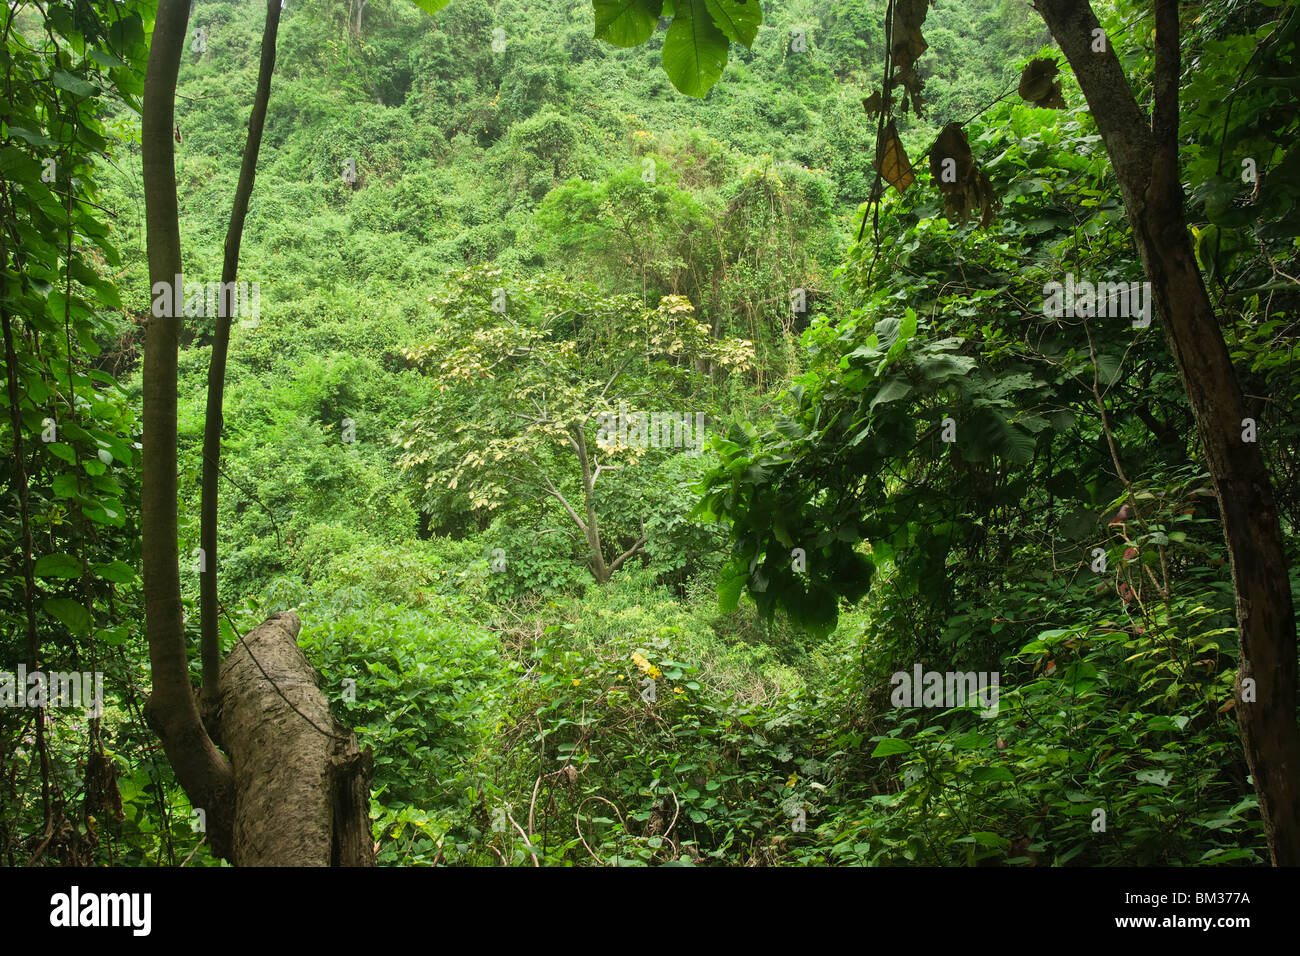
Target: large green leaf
x=730 y=585
x=982 y=774
x=906 y=332
x=431 y=6
x=891 y=390
x=989 y=433
x=36 y=139
x=65 y=486
x=73 y=84
x=626 y=22
x=695 y=50
x=119 y=572
x=75 y=617
x=57 y=566
x=738 y=20
x=890 y=746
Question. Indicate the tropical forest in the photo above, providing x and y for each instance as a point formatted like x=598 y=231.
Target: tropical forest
x=637 y=433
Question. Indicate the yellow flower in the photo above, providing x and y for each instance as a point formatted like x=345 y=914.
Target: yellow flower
x=678 y=690
x=576 y=682
x=645 y=667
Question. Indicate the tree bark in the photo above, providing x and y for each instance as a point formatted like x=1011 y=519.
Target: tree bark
x=1145 y=157
x=302 y=785
x=210 y=644
x=171 y=710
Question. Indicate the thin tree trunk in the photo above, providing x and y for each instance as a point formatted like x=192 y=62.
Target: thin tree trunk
x=171 y=711
x=210 y=644
x=29 y=577
x=1145 y=157
x=599 y=568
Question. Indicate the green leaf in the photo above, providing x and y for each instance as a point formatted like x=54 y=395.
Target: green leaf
x=119 y=572
x=891 y=390
x=65 y=486
x=991 y=773
x=75 y=617
x=906 y=332
x=430 y=6
x=730 y=584
x=626 y=22
x=60 y=450
x=694 y=50
x=106 y=511
x=780 y=530
x=739 y=21
x=984 y=838
x=890 y=746
x=112 y=636
x=74 y=85
x=36 y=139
x=57 y=566
x=127 y=32
x=109 y=60
x=991 y=432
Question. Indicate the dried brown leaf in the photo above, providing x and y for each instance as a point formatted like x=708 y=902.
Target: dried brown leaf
x=892 y=161
x=1039 y=85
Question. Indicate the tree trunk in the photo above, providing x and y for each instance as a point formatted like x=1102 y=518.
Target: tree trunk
x=599 y=569
x=171 y=711
x=295 y=789
x=1145 y=157
x=302 y=786
x=210 y=644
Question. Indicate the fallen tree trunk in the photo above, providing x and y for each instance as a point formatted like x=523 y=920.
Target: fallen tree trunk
x=302 y=785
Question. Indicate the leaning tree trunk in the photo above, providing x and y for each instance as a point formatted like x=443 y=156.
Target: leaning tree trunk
x=1145 y=157
x=295 y=789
